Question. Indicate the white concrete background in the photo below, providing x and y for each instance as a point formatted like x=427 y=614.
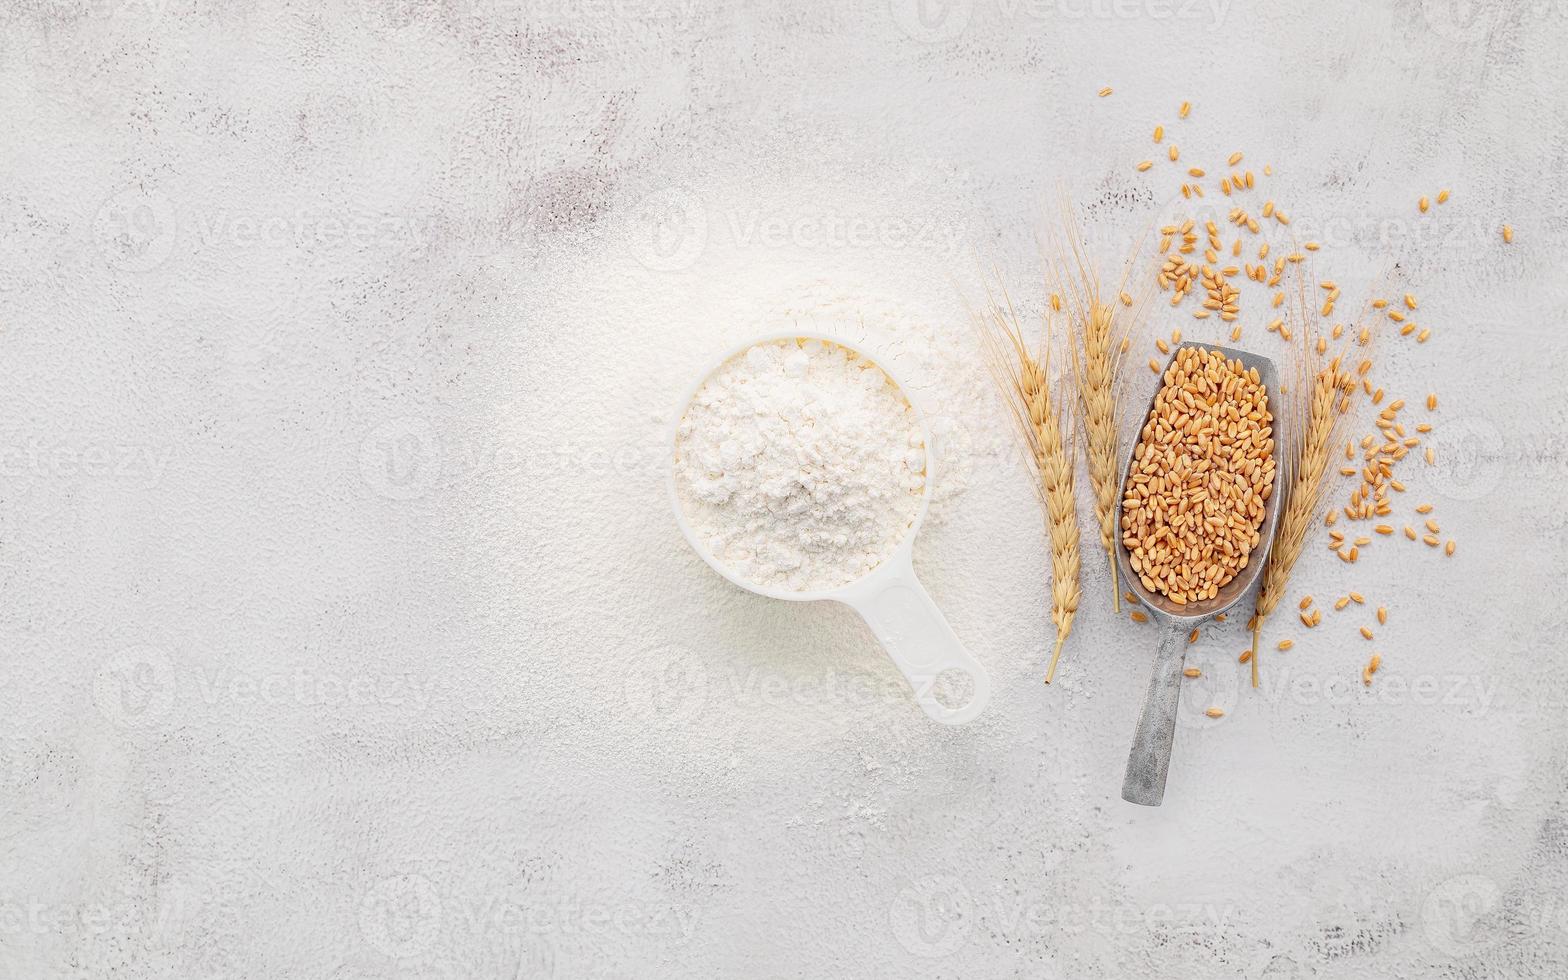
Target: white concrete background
x=345 y=630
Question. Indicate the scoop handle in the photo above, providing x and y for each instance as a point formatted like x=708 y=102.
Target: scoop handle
x=915 y=634
x=1150 y=758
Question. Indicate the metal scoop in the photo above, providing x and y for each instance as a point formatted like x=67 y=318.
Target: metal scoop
x=1150 y=758
x=889 y=598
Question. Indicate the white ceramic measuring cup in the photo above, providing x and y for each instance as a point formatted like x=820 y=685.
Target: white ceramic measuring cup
x=889 y=598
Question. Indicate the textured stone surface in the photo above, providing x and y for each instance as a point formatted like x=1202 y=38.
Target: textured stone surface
x=344 y=629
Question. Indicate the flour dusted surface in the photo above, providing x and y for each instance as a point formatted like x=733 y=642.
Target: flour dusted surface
x=800 y=465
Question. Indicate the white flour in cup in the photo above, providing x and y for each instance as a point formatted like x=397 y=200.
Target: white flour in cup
x=800 y=465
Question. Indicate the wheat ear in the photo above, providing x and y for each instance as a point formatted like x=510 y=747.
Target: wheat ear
x=1023 y=378
x=1104 y=336
x=1327 y=404
x=1094 y=367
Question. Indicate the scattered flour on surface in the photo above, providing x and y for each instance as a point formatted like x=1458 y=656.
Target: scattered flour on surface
x=800 y=465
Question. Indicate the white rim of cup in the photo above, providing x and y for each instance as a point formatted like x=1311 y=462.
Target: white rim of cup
x=905 y=544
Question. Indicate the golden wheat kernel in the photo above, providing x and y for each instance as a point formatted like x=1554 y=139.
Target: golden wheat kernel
x=1355 y=552
x=1286 y=644
x=1410 y=532
x=1341 y=602
x=1215 y=712
x=1429 y=539
x=1424 y=509
x=1370 y=669
x=1442 y=196
x=1366 y=633
x=1174 y=153
x=1449 y=547
x=1105 y=91
x=1423 y=335
x=1138 y=617
x=1311 y=246
x=1508 y=234
x=1423 y=204
x=1431 y=457
x=1194 y=171
x=1186 y=107
x=1305 y=602
x=1154 y=365
x=1431 y=525
x=1159 y=133
x=1246 y=655
x=1145 y=165
x=1130 y=597
x=1384 y=529
x=1382 y=615
x=1306 y=620
x=1192 y=672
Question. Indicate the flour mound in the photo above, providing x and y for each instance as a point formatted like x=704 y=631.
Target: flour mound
x=800 y=465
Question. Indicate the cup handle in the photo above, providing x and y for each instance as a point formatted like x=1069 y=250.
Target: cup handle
x=915 y=634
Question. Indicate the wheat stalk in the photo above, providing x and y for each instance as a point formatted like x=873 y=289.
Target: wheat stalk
x=1104 y=336
x=1329 y=390
x=1094 y=368
x=1023 y=378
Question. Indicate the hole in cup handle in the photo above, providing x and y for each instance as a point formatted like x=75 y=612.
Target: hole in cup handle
x=916 y=635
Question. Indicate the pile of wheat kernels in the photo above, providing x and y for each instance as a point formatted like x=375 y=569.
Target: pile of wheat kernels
x=1201 y=477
